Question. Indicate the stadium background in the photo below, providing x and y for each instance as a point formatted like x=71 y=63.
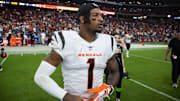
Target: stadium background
x=26 y=27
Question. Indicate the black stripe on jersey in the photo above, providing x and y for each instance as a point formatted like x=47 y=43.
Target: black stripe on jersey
x=55 y=37
x=112 y=43
x=62 y=38
x=91 y=62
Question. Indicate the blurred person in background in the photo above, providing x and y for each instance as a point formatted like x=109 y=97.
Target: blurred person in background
x=122 y=69
x=127 y=39
x=3 y=53
x=43 y=37
x=174 y=46
x=1 y=44
x=8 y=38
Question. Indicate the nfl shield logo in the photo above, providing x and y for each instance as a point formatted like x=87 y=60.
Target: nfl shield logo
x=90 y=47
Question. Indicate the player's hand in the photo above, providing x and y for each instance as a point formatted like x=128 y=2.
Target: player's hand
x=125 y=74
x=165 y=58
x=69 y=97
x=103 y=91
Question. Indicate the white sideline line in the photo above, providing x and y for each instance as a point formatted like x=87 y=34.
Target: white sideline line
x=157 y=60
x=155 y=90
x=30 y=52
x=4 y=60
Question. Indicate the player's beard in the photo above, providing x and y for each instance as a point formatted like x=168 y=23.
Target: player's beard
x=98 y=31
x=178 y=36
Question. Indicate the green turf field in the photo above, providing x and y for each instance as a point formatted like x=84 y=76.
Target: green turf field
x=146 y=66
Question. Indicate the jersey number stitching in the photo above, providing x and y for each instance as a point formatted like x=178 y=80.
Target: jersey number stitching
x=91 y=62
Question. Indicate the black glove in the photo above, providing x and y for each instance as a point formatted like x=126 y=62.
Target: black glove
x=125 y=74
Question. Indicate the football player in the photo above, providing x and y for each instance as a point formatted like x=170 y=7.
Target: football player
x=127 y=40
x=84 y=55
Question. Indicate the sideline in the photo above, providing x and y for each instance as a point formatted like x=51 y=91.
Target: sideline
x=154 y=90
x=148 y=58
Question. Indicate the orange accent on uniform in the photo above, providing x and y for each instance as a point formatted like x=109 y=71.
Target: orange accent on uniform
x=99 y=89
x=90 y=54
x=79 y=54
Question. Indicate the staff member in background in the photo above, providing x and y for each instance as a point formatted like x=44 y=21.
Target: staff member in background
x=174 y=44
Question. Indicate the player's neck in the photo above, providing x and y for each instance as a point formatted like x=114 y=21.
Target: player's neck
x=88 y=36
x=178 y=38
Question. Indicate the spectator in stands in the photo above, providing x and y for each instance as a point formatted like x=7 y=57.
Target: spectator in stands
x=150 y=30
x=43 y=37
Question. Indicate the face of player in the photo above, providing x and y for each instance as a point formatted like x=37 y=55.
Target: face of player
x=96 y=20
x=117 y=38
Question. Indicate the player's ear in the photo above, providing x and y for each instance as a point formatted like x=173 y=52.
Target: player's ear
x=81 y=18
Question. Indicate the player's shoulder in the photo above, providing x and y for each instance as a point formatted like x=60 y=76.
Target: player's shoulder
x=104 y=35
x=66 y=32
x=69 y=32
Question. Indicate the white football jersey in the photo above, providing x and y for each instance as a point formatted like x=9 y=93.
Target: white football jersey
x=83 y=62
x=128 y=38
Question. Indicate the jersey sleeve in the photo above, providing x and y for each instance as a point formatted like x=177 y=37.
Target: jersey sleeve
x=58 y=42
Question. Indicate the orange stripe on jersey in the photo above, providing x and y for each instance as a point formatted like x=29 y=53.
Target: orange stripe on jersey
x=90 y=54
x=99 y=89
x=79 y=54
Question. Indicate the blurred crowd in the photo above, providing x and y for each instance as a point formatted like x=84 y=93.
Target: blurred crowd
x=35 y=26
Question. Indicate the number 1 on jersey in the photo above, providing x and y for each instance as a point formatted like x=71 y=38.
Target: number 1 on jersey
x=91 y=62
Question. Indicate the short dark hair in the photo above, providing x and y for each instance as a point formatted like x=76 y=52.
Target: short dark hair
x=84 y=10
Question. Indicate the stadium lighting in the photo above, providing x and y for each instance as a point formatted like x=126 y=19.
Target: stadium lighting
x=138 y=2
x=36 y=5
x=14 y=3
x=145 y=17
x=68 y=8
x=140 y=17
x=27 y=4
x=51 y=6
x=4 y=2
x=176 y=18
x=169 y=16
x=22 y=4
x=108 y=13
x=134 y=17
x=33 y=5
